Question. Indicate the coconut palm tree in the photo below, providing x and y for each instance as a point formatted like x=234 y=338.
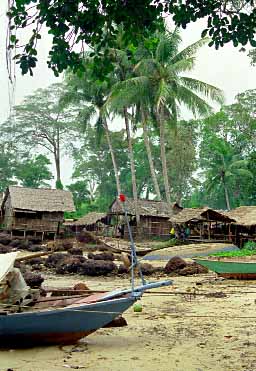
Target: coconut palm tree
x=223 y=167
x=88 y=89
x=159 y=78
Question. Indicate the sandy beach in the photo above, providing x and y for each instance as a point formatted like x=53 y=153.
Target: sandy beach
x=176 y=332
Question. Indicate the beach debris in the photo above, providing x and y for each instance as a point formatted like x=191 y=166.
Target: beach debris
x=5 y=249
x=97 y=267
x=122 y=269
x=76 y=251
x=120 y=321
x=192 y=268
x=174 y=265
x=54 y=259
x=34 y=280
x=102 y=256
x=147 y=269
x=70 y=264
x=80 y=286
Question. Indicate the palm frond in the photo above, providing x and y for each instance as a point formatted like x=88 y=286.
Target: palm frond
x=182 y=65
x=128 y=92
x=167 y=46
x=190 y=50
x=192 y=101
x=210 y=91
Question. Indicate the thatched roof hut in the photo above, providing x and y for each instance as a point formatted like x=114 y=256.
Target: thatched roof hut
x=199 y=214
x=39 y=199
x=86 y=220
x=145 y=208
x=243 y=216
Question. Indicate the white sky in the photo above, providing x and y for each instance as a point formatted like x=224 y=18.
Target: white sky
x=226 y=68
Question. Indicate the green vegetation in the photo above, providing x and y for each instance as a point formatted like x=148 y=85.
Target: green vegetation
x=250 y=245
x=235 y=253
x=123 y=130
x=94 y=23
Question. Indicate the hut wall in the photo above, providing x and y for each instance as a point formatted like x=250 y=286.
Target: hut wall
x=152 y=226
x=38 y=221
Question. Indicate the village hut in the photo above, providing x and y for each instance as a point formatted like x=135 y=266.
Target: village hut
x=35 y=210
x=244 y=225
x=202 y=224
x=154 y=217
x=94 y=222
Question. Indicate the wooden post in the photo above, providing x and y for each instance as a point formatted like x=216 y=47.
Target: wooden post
x=209 y=230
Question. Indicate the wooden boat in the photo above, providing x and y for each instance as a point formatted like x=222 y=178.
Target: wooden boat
x=56 y=320
x=230 y=267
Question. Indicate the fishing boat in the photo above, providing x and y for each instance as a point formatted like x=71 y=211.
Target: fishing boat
x=242 y=268
x=28 y=319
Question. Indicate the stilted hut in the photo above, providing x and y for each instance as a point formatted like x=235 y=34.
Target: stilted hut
x=94 y=222
x=202 y=224
x=154 y=218
x=35 y=211
x=244 y=225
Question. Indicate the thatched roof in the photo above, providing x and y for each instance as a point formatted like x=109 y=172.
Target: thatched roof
x=199 y=214
x=243 y=215
x=88 y=219
x=40 y=199
x=146 y=208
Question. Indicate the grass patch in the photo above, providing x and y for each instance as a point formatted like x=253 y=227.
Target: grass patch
x=235 y=253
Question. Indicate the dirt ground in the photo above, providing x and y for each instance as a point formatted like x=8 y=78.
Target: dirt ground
x=175 y=331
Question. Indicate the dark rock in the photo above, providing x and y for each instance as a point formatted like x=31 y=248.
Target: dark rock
x=97 y=267
x=103 y=256
x=34 y=280
x=174 y=265
x=5 y=239
x=15 y=243
x=35 y=240
x=70 y=264
x=147 y=269
x=102 y=248
x=35 y=248
x=67 y=245
x=24 y=244
x=81 y=286
x=36 y=261
x=5 y=249
x=122 y=269
x=53 y=260
x=75 y=251
x=191 y=269
x=117 y=322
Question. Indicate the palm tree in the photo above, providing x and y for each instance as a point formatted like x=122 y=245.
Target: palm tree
x=88 y=89
x=159 y=79
x=223 y=167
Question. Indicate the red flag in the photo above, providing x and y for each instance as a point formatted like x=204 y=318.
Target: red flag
x=122 y=197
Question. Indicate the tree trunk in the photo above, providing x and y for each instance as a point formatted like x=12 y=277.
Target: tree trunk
x=149 y=154
x=118 y=185
x=163 y=157
x=130 y=150
x=226 y=192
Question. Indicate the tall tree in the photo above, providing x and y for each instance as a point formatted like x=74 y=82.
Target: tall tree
x=41 y=122
x=223 y=166
x=90 y=90
x=160 y=78
x=34 y=172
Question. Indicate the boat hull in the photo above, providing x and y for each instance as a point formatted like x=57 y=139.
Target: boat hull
x=229 y=269
x=59 y=326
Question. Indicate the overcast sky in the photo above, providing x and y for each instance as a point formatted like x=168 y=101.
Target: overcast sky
x=226 y=68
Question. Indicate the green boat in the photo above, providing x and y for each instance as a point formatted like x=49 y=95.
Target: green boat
x=230 y=268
